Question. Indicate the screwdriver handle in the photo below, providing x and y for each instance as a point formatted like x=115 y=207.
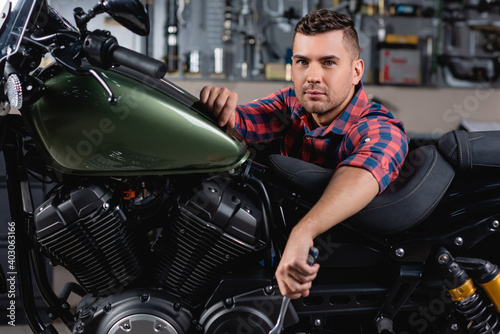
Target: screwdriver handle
x=313 y=255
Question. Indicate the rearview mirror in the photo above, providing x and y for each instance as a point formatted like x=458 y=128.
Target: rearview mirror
x=129 y=13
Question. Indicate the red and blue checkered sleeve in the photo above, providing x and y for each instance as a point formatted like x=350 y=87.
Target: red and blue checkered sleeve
x=378 y=145
x=265 y=119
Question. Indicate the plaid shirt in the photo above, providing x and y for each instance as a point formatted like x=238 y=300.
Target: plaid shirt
x=364 y=135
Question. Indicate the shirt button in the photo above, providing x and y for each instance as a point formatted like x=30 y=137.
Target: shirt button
x=367 y=140
x=307 y=137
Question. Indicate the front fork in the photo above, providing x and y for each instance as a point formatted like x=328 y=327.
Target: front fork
x=28 y=261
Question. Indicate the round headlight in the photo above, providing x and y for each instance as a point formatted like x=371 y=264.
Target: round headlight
x=14 y=91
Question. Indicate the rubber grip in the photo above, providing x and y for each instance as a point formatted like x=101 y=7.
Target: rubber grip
x=139 y=62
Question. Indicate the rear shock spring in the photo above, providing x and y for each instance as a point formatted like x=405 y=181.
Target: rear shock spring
x=481 y=318
x=478 y=305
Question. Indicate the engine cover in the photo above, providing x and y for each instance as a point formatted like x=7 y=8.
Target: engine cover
x=89 y=238
x=139 y=311
x=252 y=312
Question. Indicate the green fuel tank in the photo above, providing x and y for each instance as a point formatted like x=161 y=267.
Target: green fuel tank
x=154 y=128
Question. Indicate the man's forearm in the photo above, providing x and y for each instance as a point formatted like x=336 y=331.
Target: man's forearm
x=349 y=191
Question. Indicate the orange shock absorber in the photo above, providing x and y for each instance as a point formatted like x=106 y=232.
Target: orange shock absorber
x=457 y=280
x=487 y=275
x=462 y=292
x=492 y=289
x=469 y=300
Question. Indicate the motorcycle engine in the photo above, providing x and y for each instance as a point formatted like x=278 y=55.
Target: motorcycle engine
x=205 y=234
x=214 y=229
x=88 y=236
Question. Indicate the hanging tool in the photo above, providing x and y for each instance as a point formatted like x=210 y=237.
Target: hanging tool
x=172 y=58
x=313 y=254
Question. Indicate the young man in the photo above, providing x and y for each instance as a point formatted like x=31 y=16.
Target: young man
x=331 y=123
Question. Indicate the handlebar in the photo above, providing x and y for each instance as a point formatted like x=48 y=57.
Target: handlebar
x=139 y=62
x=102 y=50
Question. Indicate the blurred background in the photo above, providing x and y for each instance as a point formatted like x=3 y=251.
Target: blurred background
x=434 y=63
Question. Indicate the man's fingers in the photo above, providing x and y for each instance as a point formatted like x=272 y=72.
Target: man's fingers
x=303 y=277
x=221 y=102
x=227 y=118
x=215 y=102
x=208 y=94
x=226 y=101
x=204 y=94
x=301 y=272
x=293 y=290
x=295 y=280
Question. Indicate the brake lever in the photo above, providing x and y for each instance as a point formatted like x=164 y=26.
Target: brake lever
x=68 y=56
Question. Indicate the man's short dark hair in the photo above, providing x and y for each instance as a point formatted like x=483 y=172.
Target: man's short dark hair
x=324 y=20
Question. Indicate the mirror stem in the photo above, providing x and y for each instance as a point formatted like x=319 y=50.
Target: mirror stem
x=82 y=18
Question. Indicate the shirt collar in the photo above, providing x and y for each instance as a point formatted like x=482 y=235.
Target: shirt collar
x=351 y=113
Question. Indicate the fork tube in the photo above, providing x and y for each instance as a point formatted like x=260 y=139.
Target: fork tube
x=16 y=179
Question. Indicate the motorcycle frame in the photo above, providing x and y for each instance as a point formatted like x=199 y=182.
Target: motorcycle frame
x=28 y=259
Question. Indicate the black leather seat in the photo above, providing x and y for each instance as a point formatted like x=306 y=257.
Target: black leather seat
x=407 y=201
x=467 y=150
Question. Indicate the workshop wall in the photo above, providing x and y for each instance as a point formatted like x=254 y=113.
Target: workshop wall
x=451 y=43
x=435 y=63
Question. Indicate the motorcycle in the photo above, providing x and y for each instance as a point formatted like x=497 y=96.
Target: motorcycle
x=169 y=225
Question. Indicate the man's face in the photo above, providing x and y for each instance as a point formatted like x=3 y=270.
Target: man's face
x=324 y=74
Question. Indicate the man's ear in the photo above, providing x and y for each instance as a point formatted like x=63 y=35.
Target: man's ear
x=358 y=70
